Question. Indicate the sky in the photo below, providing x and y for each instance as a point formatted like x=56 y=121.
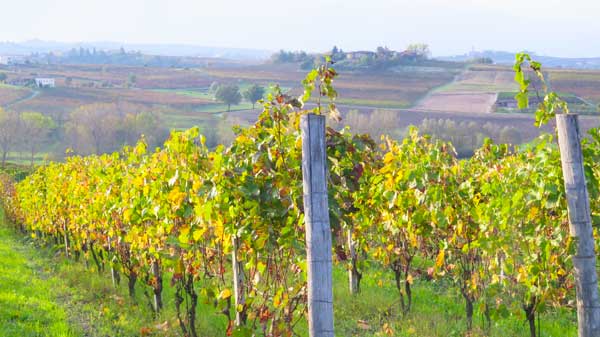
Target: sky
x=548 y=27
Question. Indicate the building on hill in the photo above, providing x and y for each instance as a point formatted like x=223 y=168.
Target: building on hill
x=356 y=55
x=410 y=55
x=45 y=82
x=11 y=59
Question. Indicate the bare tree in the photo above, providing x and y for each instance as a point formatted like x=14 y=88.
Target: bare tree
x=36 y=128
x=9 y=132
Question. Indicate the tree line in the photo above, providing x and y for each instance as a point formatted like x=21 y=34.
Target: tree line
x=380 y=59
x=231 y=94
x=93 y=128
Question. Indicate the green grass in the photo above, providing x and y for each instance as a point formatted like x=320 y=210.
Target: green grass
x=374 y=103
x=512 y=94
x=218 y=107
x=44 y=294
x=438 y=310
x=27 y=299
x=10 y=86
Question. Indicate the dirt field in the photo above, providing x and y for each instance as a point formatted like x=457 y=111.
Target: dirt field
x=10 y=94
x=380 y=89
x=473 y=91
x=469 y=102
x=584 y=84
x=415 y=94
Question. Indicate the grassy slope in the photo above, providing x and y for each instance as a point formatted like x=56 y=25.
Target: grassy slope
x=67 y=299
x=44 y=294
x=27 y=300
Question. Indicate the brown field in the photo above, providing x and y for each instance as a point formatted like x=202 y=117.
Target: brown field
x=67 y=99
x=403 y=89
x=445 y=93
x=585 y=84
x=117 y=76
x=469 y=102
x=9 y=94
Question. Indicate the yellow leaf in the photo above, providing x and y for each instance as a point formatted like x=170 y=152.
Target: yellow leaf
x=413 y=239
x=184 y=234
x=225 y=294
x=409 y=279
x=198 y=234
x=439 y=261
x=127 y=215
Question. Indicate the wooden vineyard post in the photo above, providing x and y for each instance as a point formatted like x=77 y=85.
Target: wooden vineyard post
x=584 y=260
x=238 y=285
x=353 y=275
x=318 y=231
x=158 y=287
x=66 y=239
x=113 y=272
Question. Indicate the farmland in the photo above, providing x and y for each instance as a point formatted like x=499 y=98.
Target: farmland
x=203 y=200
x=181 y=93
x=171 y=222
x=181 y=98
x=11 y=94
x=584 y=84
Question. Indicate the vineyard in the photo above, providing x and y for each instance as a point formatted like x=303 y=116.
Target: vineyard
x=226 y=226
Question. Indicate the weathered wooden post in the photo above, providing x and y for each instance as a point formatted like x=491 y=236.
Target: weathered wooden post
x=318 y=231
x=114 y=274
x=238 y=284
x=66 y=236
x=353 y=274
x=584 y=260
x=158 y=287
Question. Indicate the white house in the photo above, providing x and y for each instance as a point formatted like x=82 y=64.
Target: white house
x=44 y=83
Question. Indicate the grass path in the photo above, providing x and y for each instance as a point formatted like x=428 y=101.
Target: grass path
x=28 y=304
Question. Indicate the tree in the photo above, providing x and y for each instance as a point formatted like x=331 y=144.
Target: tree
x=9 y=132
x=420 y=49
x=145 y=124
x=214 y=86
x=254 y=93
x=3 y=77
x=36 y=129
x=131 y=80
x=337 y=54
x=94 y=128
x=229 y=94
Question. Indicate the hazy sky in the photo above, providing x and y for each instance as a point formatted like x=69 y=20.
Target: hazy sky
x=562 y=28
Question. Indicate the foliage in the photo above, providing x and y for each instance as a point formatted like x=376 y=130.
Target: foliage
x=228 y=94
x=105 y=127
x=290 y=56
x=9 y=132
x=550 y=105
x=35 y=129
x=422 y=50
x=254 y=93
x=467 y=137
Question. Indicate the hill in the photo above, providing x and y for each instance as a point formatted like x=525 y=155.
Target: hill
x=503 y=57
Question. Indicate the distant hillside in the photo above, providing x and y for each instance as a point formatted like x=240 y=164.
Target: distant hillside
x=502 y=57
x=43 y=47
